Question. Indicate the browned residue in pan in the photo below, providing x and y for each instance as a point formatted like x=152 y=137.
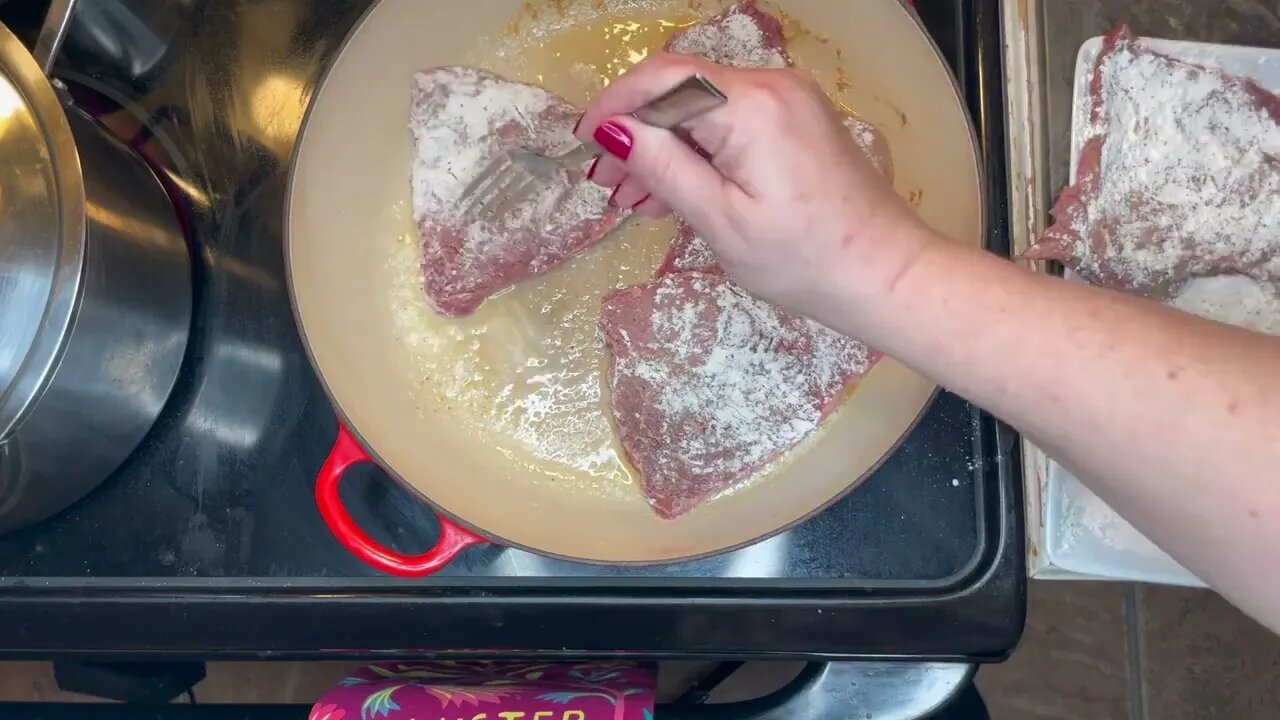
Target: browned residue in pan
x=902 y=117
x=793 y=29
x=842 y=75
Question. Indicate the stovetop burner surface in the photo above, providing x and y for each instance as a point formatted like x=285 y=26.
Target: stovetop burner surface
x=221 y=491
x=207 y=542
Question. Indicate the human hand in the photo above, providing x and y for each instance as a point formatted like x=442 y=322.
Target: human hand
x=793 y=209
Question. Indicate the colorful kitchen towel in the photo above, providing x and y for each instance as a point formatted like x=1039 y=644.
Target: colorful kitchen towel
x=484 y=690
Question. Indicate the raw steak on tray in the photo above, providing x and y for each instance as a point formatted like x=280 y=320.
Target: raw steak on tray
x=709 y=384
x=1179 y=176
x=461 y=117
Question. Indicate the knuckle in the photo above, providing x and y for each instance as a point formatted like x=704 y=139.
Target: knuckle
x=802 y=79
x=780 y=91
x=798 y=85
x=658 y=59
x=669 y=63
x=659 y=170
x=766 y=97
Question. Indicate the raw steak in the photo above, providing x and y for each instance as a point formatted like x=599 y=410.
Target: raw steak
x=709 y=384
x=688 y=251
x=1179 y=176
x=460 y=118
x=743 y=36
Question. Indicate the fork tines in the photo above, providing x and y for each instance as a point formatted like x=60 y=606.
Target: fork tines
x=500 y=186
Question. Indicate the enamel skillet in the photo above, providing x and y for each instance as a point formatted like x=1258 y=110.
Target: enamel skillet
x=347 y=209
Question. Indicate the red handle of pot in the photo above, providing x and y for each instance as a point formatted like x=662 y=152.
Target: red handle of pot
x=453 y=537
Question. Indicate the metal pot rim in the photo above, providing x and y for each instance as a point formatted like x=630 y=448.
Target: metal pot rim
x=39 y=308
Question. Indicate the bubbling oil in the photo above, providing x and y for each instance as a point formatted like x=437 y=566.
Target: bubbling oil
x=525 y=372
x=582 y=59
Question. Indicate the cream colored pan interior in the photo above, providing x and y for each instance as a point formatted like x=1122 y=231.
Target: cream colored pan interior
x=500 y=419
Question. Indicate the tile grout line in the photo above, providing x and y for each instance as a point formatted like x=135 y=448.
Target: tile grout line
x=1134 y=653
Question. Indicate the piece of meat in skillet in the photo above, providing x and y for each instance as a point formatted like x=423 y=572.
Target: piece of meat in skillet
x=688 y=252
x=709 y=384
x=742 y=36
x=460 y=118
x=1179 y=176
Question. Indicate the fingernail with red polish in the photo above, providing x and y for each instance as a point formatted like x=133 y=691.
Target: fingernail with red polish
x=615 y=139
x=641 y=200
x=592 y=170
x=612 y=195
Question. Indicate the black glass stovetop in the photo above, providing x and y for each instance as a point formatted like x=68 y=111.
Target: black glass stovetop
x=220 y=492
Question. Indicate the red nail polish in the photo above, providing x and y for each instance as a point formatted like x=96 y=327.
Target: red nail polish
x=641 y=200
x=615 y=139
x=592 y=170
x=612 y=195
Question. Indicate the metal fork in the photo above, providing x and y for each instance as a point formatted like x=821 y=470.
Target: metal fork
x=516 y=173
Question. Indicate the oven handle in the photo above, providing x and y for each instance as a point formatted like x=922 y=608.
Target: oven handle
x=453 y=538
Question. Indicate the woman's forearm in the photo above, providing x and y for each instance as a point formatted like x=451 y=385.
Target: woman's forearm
x=1172 y=419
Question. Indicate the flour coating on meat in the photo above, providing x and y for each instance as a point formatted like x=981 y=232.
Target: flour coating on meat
x=1179 y=176
x=461 y=118
x=688 y=252
x=743 y=36
x=710 y=384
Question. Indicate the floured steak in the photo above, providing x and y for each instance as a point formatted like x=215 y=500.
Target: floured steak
x=742 y=36
x=688 y=252
x=461 y=117
x=709 y=384
x=1179 y=176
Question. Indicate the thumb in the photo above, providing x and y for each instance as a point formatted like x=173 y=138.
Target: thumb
x=669 y=169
